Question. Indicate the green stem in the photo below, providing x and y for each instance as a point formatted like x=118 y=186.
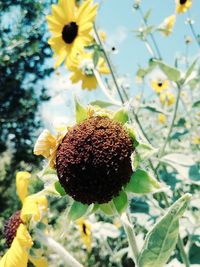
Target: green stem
x=184 y=256
x=68 y=259
x=130 y=236
x=151 y=35
x=109 y=64
x=192 y=29
x=172 y=122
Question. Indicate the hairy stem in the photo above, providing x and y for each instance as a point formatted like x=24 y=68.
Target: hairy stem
x=69 y=260
x=98 y=39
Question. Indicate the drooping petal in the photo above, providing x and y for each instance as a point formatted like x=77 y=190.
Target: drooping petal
x=45 y=143
x=22 y=182
x=33 y=207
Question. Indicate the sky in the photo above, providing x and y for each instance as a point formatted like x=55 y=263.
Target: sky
x=119 y=20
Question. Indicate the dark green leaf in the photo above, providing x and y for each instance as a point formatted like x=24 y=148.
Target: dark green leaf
x=121 y=202
x=77 y=210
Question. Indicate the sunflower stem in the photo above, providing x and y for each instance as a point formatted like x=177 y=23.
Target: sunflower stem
x=192 y=29
x=98 y=39
x=104 y=89
x=69 y=260
x=130 y=236
x=129 y=232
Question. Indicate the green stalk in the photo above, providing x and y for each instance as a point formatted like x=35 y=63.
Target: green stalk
x=184 y=256
x=192 y=29
x=151 y=35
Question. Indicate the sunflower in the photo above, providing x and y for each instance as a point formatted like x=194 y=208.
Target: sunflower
x=95 y=161
x=85 y=232
x=183 y=5
x=16 y=231
x=168 y=25
x=71 y=27
x=167 y=98
x=82 y=70
x=159 y=85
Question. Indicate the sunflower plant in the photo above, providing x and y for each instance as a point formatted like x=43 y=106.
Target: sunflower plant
x=119 y=156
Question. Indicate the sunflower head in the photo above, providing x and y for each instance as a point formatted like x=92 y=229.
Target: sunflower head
x=11 y=227
x=159 y=85
x=93 y=161
x=183 y=5
x=71 y=26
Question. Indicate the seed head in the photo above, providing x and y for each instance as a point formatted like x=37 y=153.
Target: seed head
x=93 y=161
x=11 y=226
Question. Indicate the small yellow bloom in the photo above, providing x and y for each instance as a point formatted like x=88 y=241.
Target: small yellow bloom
x=159 y=85
x=71 y=28
x=196 y=140
x=167 y=98
x=161 y=118
x=85 y=232
x=183 y=5
x=168 y=25
x=82 y=70
x=22 y=182
x=47 y=144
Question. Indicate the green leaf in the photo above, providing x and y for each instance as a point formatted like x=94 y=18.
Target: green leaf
x=162 y=239
x=106 y=208
x=121 y=116
x=101 y=104
x=145 y=151
x=121 y=202
x=172 y=73
x=147 y=14
x=81 y=112
x=154 y=108
x=190 y=69
x=77 y=210
x=96 y=56
x=196 y=104
x=142 y=183
x=59 y=188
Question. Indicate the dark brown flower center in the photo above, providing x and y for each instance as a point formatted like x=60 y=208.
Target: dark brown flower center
x=182 y=2
x=93 y=161
x=11 y=226
x=70 y=32
x=160 y=84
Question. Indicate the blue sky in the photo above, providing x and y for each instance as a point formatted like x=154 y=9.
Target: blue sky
x=118 y=19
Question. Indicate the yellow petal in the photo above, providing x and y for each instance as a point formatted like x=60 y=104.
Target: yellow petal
x=45 y=143
x=17 y=255
x=33 y=207
x=22 y=182
x=61 y=58
x=38 y=262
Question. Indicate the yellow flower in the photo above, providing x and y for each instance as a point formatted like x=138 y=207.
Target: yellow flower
x=47 y=144
x=159 y=85
x=162 y=118
x=168 y=25
x=82 y=70
x=196 y=140
x=183 y=5
x=17 y=234
x=71 y=27
x=167 y=99
x=85 y=232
